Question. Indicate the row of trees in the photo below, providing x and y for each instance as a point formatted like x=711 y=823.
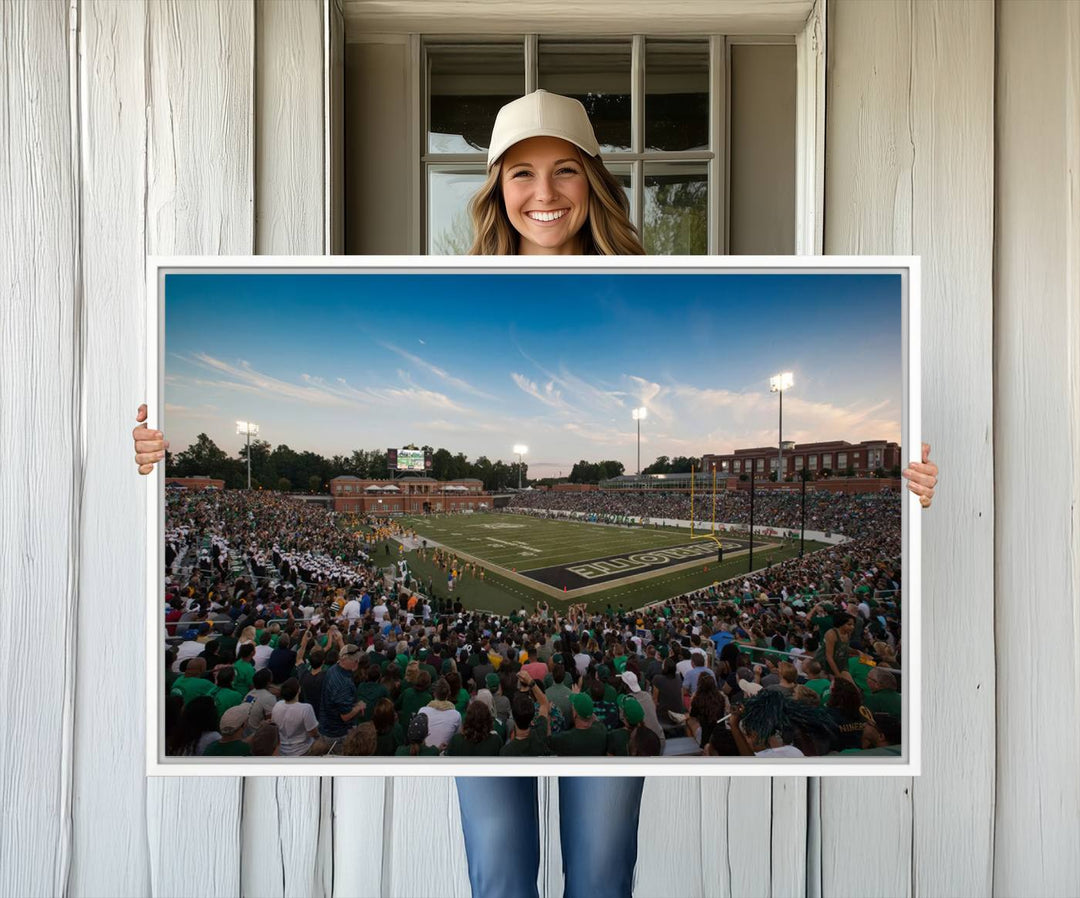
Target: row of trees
x=680 y=464
x=595 y=471
x=282 y=468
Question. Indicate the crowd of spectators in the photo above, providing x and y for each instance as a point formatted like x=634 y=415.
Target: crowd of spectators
x=858 y=514
x=287 y=633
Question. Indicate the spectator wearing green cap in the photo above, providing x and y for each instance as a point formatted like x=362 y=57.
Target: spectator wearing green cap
x=494 y=685
x=632 y=715
x=646 y=702
x=587 y=737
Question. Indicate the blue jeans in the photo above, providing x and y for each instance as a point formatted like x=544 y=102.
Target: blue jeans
x=598 y=821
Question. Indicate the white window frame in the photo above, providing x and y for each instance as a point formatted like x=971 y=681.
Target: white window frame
x=809 y=42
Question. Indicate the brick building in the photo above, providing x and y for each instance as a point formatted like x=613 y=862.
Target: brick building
x=835 y=456
x=407 y=495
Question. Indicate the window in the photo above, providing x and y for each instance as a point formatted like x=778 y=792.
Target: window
x=348 y=489
x=723 y=465
x=761 y=466
x=738 y=466
x=798 y=462
x=772 y=465
x=841 y=459
x=826 y=460
x=658 y=106
x=813 y=462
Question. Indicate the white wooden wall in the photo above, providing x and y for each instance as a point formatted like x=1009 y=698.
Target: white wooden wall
x=190 y=126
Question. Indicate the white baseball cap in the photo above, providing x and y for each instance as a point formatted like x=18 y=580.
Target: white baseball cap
x=541 y=114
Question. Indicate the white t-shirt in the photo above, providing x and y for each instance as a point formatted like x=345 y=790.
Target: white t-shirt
x=261 y=704
x=784 y=751
x=683 y=667
x=380 y=611
x=262 y=656
x=351 y=611
x=189 y=649
x=581 y=662
x=295 y=720
x=441 y=725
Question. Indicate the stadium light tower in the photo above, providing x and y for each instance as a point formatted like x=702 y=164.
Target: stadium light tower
x=640 y=414
x=520 y=449
x=250 y=430
x=777 y=384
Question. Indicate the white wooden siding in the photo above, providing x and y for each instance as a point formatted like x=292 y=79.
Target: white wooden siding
x=909 y=149
x=1036 y=443
x=953 y=132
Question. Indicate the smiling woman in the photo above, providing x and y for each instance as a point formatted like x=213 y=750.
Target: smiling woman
x=547 y=190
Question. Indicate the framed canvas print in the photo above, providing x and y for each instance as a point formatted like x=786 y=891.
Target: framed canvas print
x=507 y=516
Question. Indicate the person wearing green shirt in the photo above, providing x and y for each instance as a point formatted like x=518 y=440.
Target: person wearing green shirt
x=369 y=692
x=558 y=692
x=389 y=735
x=883 y=698
x=532 y=727
x=816 y=678
x=415 y=697
x=477 y=737
x=587 y=737
x=225 y=696
x=245 y=668
x=833 y=653
x=632 y=716
x=418 y=730
x=231 y=727
x=859 y=672
x=194 y=681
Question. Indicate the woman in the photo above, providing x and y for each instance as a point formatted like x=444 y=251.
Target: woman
x=547 y=193
x=835 y=649
x=477 y=736
x=388 y=732
x=855 y=723
x=196 y=729
x=706 y=708
x=296 y=720
x=667 y=693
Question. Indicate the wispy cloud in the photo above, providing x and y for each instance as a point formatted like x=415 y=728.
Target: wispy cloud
x=581 y=391
x=248 y=379
x=547 y=395
x=455 y=382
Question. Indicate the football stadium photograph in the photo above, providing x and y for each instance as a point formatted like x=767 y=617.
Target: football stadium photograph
x=532 y=515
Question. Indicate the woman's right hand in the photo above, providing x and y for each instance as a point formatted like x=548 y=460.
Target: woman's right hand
x=150 y=445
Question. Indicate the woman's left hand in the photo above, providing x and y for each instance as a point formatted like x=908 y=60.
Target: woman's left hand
x=922 y=477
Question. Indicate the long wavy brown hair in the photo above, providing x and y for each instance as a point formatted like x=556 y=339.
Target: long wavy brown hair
x=477 y=725
x=607 y=231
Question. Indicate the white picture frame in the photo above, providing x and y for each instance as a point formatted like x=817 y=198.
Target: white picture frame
x=908 y=764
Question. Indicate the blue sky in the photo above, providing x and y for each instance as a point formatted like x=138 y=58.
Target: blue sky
x=476 y=363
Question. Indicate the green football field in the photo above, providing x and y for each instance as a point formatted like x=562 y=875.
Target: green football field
x=528 y=559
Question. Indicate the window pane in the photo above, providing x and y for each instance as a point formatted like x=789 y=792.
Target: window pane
x=449 y=192
x=597 y=74
x=676 y=95
x=676 y=209
x=467 y=84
